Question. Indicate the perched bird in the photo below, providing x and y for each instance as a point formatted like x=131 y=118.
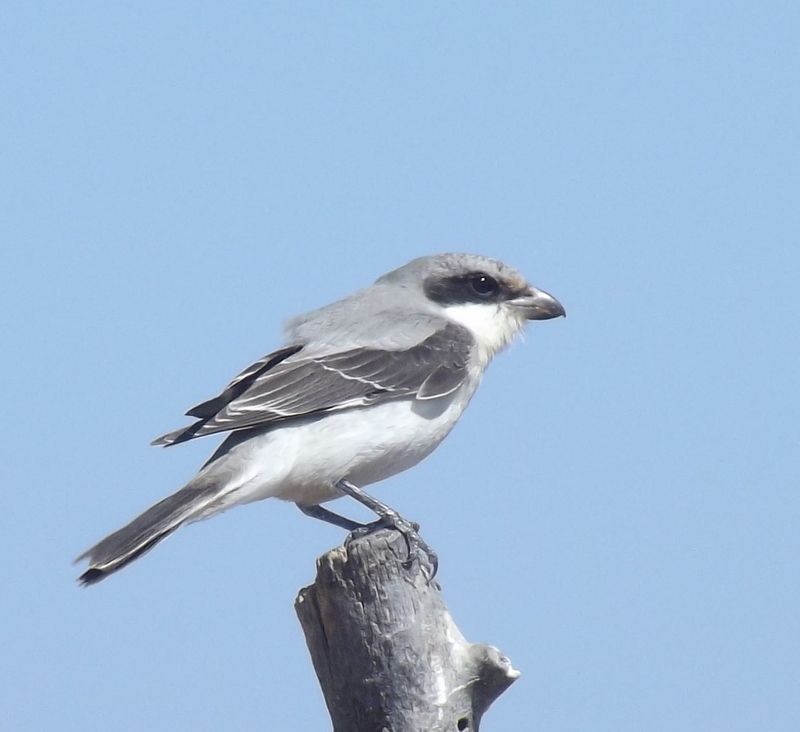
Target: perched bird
x=363 y=389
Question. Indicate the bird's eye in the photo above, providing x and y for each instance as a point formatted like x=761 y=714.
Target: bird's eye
x=484 y=285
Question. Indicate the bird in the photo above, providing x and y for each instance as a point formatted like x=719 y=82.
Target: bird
x=360 y=390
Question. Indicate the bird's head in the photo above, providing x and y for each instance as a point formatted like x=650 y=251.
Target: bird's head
x=491 y=299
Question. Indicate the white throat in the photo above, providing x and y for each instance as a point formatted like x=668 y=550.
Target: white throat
x=493 y=326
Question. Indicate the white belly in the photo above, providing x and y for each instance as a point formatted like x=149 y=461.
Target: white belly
x=302 y=461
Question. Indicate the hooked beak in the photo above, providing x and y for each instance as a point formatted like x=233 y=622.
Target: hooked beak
x=536 y=304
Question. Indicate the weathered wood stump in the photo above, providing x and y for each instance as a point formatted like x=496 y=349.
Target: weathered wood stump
x=387 y=653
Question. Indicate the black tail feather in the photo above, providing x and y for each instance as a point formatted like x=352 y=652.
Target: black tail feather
x=130 y=542
x=93 y=575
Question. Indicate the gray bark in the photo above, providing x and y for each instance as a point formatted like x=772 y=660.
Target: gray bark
x=388 y=656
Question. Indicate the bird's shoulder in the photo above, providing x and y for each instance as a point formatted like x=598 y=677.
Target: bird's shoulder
x=393 y=323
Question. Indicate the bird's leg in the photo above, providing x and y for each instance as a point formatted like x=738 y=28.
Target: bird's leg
x=323 y=514
x=389 y=518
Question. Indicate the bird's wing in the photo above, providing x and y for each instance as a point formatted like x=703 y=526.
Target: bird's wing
x=287 y=384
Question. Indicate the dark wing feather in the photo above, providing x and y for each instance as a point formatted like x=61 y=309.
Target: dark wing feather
x=240 y=384
x=285 y=385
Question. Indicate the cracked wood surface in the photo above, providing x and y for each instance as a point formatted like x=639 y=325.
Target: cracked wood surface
x=387 y=653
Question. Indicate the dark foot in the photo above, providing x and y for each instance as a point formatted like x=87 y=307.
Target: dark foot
x=390 y=519
x=416 y=548
x=415 y=544
x=365 y=530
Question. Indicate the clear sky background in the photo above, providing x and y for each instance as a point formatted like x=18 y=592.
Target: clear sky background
x=618 y=511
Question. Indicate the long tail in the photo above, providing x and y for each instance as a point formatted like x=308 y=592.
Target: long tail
x=128 y=543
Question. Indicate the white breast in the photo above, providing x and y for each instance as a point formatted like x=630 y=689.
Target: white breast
x=303 y=460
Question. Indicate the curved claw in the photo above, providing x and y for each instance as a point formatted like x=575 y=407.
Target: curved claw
x=390 y=519
x=415 y=544
x=361 y=531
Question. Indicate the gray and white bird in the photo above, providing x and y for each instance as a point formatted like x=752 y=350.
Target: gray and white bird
x=363 y=389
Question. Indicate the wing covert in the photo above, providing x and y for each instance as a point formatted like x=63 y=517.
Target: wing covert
x=287 y=385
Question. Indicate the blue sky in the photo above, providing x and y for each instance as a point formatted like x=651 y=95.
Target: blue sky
x=618 y=510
